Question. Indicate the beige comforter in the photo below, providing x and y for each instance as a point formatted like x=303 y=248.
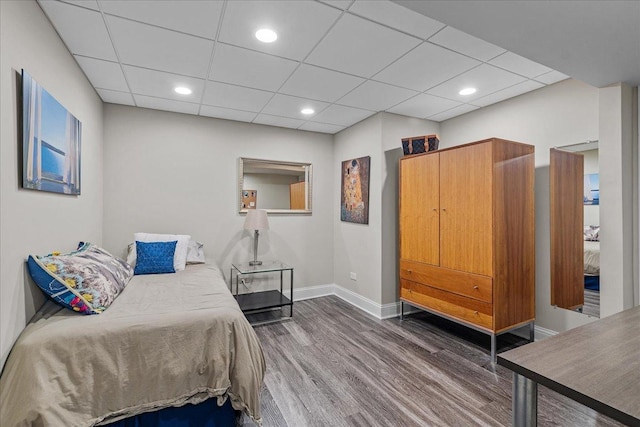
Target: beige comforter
x=167 y=340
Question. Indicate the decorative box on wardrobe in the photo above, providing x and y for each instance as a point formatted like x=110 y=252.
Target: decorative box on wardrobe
x=467 y=249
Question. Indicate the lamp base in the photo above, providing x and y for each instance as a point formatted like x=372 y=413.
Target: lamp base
x=255 y=262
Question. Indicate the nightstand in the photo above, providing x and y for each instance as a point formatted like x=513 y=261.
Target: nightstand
x=263 y=300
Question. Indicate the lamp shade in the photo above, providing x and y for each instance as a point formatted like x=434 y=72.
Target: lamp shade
x=256 y=220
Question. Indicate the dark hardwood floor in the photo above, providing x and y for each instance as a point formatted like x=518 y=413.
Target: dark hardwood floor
x=334 y=365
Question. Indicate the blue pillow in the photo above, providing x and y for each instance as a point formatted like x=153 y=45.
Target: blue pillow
x=155 y=257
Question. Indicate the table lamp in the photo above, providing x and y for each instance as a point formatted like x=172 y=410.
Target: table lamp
x=256 y=220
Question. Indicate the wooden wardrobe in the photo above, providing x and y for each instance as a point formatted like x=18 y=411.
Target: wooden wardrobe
x=467 y=249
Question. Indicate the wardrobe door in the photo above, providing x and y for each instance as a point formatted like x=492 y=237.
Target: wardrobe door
x=466 y=221
x=419 y=200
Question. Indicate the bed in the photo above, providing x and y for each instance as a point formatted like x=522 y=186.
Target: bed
x=592 y=265
x=167 y=341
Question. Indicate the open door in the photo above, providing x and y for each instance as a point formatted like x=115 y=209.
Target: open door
x=297 y=195
x=566 y=172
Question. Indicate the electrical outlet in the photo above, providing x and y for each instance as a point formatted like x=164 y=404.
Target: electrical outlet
x=353 y=276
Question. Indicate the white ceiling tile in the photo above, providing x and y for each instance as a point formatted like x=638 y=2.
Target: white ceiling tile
x=188 y=16
x=82 y=30
x=425 y=67
x=161 y=84
x=115 y=97
x=466 y=44
x=551 y=77
x=226 y=113
x=166 y=104
x=423 y=106
x=453 y=112
x=248 y=68
x=285 y=122
x=290 y=106
x=519 y=65
x=342 y=116
x=299 y=25
x=510 y=92
x=236 y=97
x=485 y=78
x=340 y=4
x=376 y=96
x=152 y=47
x=321 y=127
x=103 y=74
x=91 y=4
x=357 y=46
x=396 y=16
x=319 y=83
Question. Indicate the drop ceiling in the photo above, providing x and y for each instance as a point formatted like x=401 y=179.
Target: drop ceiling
x=346 y=60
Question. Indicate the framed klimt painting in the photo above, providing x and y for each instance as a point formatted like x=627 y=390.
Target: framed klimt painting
x=354 y=203
x=50 y=142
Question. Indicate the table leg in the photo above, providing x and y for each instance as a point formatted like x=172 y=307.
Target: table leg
x=291 y=286
x=525 y=402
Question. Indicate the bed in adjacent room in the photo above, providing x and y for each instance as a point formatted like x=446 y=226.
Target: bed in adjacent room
x=167 y=341
x=592 y=258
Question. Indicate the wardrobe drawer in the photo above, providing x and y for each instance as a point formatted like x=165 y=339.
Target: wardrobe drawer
x=459 y=282
x=470 y=310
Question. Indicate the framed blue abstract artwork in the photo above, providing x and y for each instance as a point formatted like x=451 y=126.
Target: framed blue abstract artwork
x=592 y=189
x=50 y=140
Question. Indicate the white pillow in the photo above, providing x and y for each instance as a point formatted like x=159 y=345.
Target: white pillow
x=180 y=255
x=195 y=253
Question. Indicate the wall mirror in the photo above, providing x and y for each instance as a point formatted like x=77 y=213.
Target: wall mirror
x=277 y=186
x=575 y=227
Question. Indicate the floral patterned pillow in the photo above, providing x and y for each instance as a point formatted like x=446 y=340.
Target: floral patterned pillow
x=87 y=280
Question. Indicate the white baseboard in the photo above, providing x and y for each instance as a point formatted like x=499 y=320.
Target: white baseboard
x=300 y=294
x=384 y=311
x=542 y=333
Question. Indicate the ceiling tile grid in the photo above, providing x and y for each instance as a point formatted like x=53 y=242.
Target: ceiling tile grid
x=344 y=59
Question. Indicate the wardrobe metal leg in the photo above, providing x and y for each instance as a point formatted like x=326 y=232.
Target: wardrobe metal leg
x=401 y=310
x=532 y=331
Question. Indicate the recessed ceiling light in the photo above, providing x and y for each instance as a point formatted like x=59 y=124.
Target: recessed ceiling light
x=182 y=90
x=307 y=111
x=266 y=35
x=468 y=91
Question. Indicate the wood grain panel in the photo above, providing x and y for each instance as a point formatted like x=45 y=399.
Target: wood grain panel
x=473 y=311
x=597 y=364
x=566 y=174
x=419 y=203
x=514 y=233
x=459 y=282
x=466 y=209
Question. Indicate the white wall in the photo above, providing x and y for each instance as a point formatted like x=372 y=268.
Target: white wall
x=33 y=221
x=176 y=173
x=616 y=200
x=273 y=191
x=591 y=165
x=357 y=247
x=568 y=112
x=371 y=251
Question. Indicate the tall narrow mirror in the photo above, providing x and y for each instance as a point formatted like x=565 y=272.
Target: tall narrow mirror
x=575 y=229
x=277 y=186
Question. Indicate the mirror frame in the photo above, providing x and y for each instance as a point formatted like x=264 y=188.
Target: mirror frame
x=309 y=195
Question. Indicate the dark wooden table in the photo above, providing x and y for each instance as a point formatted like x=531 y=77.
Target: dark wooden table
x=597 y=364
